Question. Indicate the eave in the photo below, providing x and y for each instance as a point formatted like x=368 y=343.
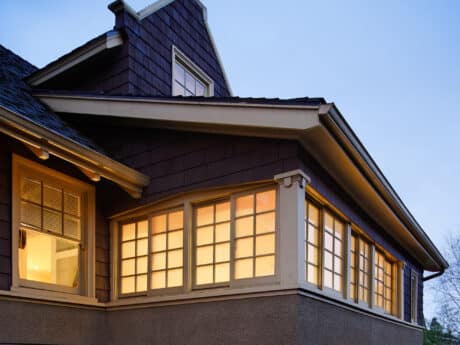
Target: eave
x=320 y=129
x=44 y=142
x=104 y=42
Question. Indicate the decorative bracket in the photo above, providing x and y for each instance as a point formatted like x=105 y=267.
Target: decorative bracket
x=287 y=179
x=40 y=152
x=93 y=176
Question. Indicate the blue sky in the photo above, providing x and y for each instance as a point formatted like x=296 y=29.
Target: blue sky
x=392 y=67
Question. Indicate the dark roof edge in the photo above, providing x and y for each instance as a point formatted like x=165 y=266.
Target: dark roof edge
x=336 y=122
x=107 y=40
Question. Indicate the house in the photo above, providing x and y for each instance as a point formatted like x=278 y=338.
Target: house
x=142 y=203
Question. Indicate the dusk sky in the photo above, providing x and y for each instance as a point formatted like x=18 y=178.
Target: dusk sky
x=391 y=67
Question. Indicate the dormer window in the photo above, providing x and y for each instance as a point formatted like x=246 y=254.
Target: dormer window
x=188 y=79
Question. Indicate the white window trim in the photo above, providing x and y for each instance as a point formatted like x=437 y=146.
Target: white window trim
x=188 y=203
x=87 y=290
x=179 y=57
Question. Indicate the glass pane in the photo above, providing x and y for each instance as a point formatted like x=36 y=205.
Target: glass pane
x=128 y=249
x=337 y=282
x=178 y=90
x=31 y=190
x=142 y=265
x=328 y=241
x=244 y=226
x=265 y=223
x=31 y=214
x=265 y=244
x=128 y=267
x=142 y=229
x=204 y=215
x=52 y=221
x=52 y=197
x=158 y=280
x=329 y=222
x=337 y=265
x=204 y=255
x=328 y=260
x=328 y=279
x=244 y=247
x=222 y=272
x=313 y=255
x=244 y=205
x=188 y=93
x=312 y=274
x=313 y=214
x=338 y=247
x=175 y=277
x=313 y=235
x=141 y=282
x=128 y=232
x=176 y=220
x=204 y=275
x=142 y=247
x=200 y=89
x=159 y=224
x=175 y=239
x=223 y=232
x=222 y=212
x=72 y=227
x=190 y=82
x=338 y=229
x=159 y=261
x=179 y=73
x=204 y=235
x=49 y=259
x=223 y=252
x=243 y=268
x=265 y=201
x=72 y=204
x=265 y=266
x=128 y=285
x=159 y=243
x=175 y=258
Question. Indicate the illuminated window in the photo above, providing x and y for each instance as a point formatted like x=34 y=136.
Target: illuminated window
x=167 y=250
x=188 y=78
x=134 y=257
x=312 y=245
x=353 y=265
x=52 y=213
x=255 y=235
x=383 y=277
x=364 y=270
x=212 y=243
x=333 y=252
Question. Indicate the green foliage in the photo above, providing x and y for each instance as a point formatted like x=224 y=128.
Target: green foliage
x=435 y=334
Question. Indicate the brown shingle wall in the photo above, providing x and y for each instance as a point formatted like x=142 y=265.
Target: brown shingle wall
x=5 y=217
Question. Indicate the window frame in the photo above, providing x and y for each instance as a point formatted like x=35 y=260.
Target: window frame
x=362 y=237
x=87 y=261
x=179 y=57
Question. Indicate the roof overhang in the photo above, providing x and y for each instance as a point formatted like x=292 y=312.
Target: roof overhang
x=44 y=142
x=320 y=129
x=106 y=41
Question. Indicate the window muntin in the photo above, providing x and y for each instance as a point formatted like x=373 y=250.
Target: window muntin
x=255 y=227
x=334 y=231
x=212 y=243
x=187 y=83
x=134 y=257
x=383 y=278
x=50 y=232
x=167 y=246
x=312 y=243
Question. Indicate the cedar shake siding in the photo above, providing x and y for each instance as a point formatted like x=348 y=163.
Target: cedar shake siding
x=143 y=64
x=9 y=146
x=180 y=161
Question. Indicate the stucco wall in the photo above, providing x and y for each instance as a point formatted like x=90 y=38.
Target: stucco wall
x=279 y=320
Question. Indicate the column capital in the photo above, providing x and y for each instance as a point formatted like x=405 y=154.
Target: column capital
x=288 y=178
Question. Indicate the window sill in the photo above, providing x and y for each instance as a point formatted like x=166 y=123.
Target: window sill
x=50 y=296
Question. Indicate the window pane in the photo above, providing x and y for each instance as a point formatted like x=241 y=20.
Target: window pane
x=328 y=279
x=244 y=226
x=142 y=229
x=176 y=220
x=128 y=267
x=52 y=197
x=179 y=73
x=141 y=283
x=313 y=255
x=159 y=261
x=175 y=258
x=243 y=268
x=142 y=265
x=204 y=275
x=204 y=235
x=222 y=252
x=328 y=260
x=328 y=241
x=159 y=242
x=337 y=282
x=175 y=239
x=313 y=214
x=205 y=215
x=72 y=204
x=313 y=235
x=31 y=190
x=52 y=221
x=222 y=273
x=142 y=247
x=31 y=214
x=128 y=285
x=128 y=250
x=158 y=280
x=175 y=277
x=204 y=255
x=190 y=83
x=265 y=201
x=72 y=227
x=128 y=232
x=265 y=223
x=265 y=244
x=244 y=247
x=223 y=232
x=312 y=274
x=222 y=212
x=329 y=222
x=265 y=266
x=244 y=205
x=200 y=89
x=159 y=224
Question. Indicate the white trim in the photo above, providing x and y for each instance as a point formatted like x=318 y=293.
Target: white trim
x=180 y=58
x=31 y=134
x=110 y=40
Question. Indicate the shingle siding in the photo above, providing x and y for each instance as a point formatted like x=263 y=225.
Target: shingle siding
x=5 y=217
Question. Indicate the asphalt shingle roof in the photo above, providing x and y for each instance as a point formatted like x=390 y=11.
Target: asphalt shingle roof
x=15 y=95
